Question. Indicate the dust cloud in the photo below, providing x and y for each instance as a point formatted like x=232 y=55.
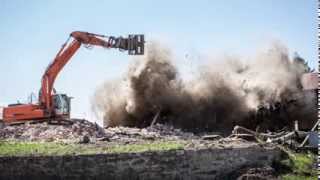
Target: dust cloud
x=223 y=93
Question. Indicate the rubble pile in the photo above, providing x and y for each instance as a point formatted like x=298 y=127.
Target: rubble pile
x=85 y=130
x=155 y=132
x=49 y=132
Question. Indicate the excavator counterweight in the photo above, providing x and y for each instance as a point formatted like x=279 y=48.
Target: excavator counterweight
x=56 y=107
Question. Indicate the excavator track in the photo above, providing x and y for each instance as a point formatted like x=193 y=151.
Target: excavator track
x=61 y=121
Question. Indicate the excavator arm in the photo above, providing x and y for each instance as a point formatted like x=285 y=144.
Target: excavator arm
x=134 y=44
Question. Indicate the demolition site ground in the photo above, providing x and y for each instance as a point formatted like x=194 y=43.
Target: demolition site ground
x=84 y=150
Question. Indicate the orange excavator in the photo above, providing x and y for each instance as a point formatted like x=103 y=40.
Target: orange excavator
x=56 y=107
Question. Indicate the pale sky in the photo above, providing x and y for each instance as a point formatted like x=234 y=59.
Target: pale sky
x=31 y=33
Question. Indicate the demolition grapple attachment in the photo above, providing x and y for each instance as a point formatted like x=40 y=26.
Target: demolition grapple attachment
x=134 y=44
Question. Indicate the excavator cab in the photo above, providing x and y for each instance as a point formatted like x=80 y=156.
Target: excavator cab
x=61 y=105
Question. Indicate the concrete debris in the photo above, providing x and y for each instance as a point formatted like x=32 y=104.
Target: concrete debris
x=48 y=132
x=83 y=131
x=157 y=131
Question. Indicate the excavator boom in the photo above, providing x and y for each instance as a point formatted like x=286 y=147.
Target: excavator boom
x=51 y=105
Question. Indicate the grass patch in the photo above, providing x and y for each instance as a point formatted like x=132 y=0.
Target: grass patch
x=301 y=166
x=298 y=177
x=50 y=148
x=163 y=146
